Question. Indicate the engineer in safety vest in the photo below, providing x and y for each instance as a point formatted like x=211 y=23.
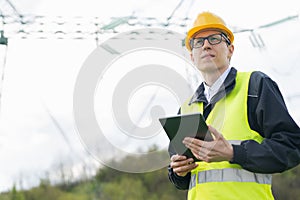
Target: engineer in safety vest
x=254 y=134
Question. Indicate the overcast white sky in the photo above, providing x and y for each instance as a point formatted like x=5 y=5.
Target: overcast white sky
x=40 y=74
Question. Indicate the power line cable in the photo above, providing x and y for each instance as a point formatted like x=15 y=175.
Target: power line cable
x=59 y=128
x=176 y=8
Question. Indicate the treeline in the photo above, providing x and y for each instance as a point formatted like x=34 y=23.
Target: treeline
x=110 y=184
x=107 y=184
x=286 y=185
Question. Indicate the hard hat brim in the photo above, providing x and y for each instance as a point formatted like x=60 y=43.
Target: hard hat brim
x=197 y=29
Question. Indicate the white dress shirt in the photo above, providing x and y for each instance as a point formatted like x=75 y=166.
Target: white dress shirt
x=209 y=92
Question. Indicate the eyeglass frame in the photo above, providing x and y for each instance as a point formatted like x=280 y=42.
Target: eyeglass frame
x=206 y=38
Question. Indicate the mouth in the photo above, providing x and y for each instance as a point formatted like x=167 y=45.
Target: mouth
x=207 y=56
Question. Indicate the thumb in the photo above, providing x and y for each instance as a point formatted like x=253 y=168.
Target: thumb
x=214 y=131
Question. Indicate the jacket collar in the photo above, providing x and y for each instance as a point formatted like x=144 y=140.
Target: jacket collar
x=227 y=87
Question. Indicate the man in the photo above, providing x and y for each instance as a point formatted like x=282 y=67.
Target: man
x=254 y=134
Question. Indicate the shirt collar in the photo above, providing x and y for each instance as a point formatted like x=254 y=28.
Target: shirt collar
x=210 y=91
x=229 y=84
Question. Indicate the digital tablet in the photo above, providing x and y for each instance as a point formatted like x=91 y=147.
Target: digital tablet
x=180 y=126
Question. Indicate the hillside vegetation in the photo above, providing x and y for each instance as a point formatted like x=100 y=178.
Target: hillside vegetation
x=110 y=184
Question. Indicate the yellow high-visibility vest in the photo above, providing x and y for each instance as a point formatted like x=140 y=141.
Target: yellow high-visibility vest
x=222 y=180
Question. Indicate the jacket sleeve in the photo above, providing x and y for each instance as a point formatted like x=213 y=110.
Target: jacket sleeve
x=268 y=115
x=180 y=182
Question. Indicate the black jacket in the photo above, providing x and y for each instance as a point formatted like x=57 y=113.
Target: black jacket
x=267 y=115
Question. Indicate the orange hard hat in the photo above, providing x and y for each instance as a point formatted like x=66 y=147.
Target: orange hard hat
x=207 y=20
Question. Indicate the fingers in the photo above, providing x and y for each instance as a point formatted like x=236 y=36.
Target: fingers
x=200 y=149
x=206 y=151
x=217 y=150
x=205 y=154
x=201 y=156
x=178 y=161
x=184 y=169
x=195 y=144
x=177 y=157
x=192 y=143
x=181 y=165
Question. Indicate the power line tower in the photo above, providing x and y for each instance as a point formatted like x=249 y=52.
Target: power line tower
x=3 y=42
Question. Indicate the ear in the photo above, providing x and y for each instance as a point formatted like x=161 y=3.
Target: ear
x=191 y=55
x=230 y=50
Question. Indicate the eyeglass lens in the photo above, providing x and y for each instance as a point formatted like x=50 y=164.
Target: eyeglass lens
x=212 y=39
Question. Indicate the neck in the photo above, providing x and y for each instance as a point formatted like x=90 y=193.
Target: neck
x=210 y=77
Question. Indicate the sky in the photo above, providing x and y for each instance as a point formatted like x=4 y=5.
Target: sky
x=38 y=134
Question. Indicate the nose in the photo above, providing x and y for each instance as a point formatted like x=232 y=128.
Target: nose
x=206 y=44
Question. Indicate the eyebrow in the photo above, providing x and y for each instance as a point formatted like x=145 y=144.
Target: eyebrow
x=210 y=35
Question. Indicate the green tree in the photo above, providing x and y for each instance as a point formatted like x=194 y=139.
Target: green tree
x=127 y=188
x=15 y=195
x=286 y=185
x=151 y=185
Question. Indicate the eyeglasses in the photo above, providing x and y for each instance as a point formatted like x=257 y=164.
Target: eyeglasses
x=212 y=39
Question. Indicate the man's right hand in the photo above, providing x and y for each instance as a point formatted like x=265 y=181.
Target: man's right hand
x=181 y=165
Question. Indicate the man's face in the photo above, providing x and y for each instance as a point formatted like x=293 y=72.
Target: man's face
x=210 y=58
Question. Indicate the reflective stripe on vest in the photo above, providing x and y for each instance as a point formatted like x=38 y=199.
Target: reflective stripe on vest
x=229 y=175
